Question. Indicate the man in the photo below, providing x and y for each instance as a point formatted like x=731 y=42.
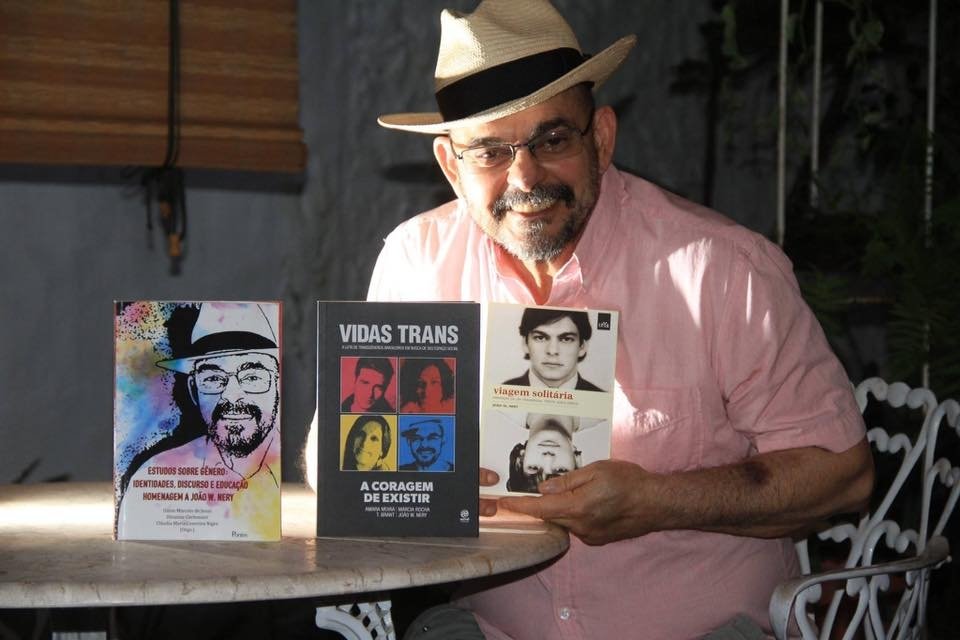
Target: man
x=426 y=439
x=233 y=378
x=554 y=341
x=371 y=378
x=548 y=452
x=734 y=425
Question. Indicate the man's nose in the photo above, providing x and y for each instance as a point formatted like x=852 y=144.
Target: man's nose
x=524 y=172
x=553 y=346
x=232 y=390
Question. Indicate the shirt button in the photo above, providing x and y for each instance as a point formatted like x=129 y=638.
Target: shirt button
x=564 y=613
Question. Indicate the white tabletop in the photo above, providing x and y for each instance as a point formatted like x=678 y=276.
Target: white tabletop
x=56 y=550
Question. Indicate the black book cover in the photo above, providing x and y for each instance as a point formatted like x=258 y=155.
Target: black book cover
x=398 y=418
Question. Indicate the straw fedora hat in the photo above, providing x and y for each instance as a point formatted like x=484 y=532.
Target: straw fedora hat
x=504 y=57
x=225 y=329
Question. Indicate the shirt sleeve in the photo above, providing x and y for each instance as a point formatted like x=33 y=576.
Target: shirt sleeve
x=392 y=262
x=404 y=271
x=783 y=385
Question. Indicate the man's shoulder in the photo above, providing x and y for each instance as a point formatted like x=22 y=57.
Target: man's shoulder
x=674 y=221
x=425 y=257
x=437 y=222
x=381 y=405
x=523 y=380
x=585 y=385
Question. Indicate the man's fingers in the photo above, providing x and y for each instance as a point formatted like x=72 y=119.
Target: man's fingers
x=566 y=482
x=488 y=478
x=524 y=504
x=543 y=507
x=488 y=507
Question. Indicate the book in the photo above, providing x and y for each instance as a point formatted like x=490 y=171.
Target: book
x=397 y=418
x=197 y=420
x=546 y=393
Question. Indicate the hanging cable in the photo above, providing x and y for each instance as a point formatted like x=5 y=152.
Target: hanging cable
x=165 y=183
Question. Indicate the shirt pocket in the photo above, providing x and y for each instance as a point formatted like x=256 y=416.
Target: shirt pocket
x=661 y=429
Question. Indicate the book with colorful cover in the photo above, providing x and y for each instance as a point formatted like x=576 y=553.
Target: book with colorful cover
x=397 y=419
x=546 y=393
x=197 y=420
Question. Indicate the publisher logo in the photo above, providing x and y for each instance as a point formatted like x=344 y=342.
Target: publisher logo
x=603 y=321
x=464 y=515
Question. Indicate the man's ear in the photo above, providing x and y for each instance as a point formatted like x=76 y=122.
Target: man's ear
x=448 y=162
x=604 y=135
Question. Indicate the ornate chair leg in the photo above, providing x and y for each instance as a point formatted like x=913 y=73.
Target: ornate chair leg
x=358 y=621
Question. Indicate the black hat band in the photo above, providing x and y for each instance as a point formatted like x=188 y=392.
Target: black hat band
x=231 y=341
x=505 y=82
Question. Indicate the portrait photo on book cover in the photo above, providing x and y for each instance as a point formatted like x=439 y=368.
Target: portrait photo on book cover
x=368 y=385
x=197 y=393
x=428 y=385
x=428 y=443
x=550 y=347
x=368 y=442
x=526 y=448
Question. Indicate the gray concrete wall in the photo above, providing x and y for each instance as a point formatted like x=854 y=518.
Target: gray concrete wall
x=72 y=247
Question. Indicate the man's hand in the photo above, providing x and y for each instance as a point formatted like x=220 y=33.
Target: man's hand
x=603 y=502
x=488 y=506
x=769 y=495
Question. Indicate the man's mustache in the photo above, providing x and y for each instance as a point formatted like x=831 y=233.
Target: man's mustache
x=539 y=195
x=225 y=406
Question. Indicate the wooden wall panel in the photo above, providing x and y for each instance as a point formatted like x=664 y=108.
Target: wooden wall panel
x=85 y=82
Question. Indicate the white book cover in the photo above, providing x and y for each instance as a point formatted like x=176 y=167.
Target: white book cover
x=546 y=394
x=197 y=420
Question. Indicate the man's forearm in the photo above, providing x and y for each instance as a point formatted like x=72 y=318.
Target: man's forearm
x=769 y=495
x=772 y=494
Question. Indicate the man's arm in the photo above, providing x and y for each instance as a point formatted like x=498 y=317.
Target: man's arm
x=769 y=495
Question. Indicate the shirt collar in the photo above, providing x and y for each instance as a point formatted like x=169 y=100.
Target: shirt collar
x=575 y=275
x=535 y=381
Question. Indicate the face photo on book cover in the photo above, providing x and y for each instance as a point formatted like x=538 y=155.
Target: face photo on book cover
x=368 y=385
x=428 y=385
x=549 y=347
x=198 y=385
x=368 y=442
x=525 y=448
x=428 y=443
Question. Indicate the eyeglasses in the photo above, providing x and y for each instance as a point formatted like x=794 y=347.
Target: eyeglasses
x=432 y=439
x=555 y=144
x=215 y=381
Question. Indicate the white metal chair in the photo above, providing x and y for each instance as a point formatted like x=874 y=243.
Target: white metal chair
x=881 y=590
x=358 y=621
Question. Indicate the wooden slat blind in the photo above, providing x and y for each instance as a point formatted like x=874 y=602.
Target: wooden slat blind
x=85 y=82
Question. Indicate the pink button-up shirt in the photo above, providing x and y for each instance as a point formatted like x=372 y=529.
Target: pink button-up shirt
x=718 y=358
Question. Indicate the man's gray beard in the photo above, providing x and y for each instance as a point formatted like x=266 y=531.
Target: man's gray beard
x=427 y=463
x=237 y=446
x=535 y=245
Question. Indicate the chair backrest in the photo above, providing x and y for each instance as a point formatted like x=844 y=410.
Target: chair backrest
x=918 y=483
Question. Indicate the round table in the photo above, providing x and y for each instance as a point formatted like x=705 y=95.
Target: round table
x=57 y=550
